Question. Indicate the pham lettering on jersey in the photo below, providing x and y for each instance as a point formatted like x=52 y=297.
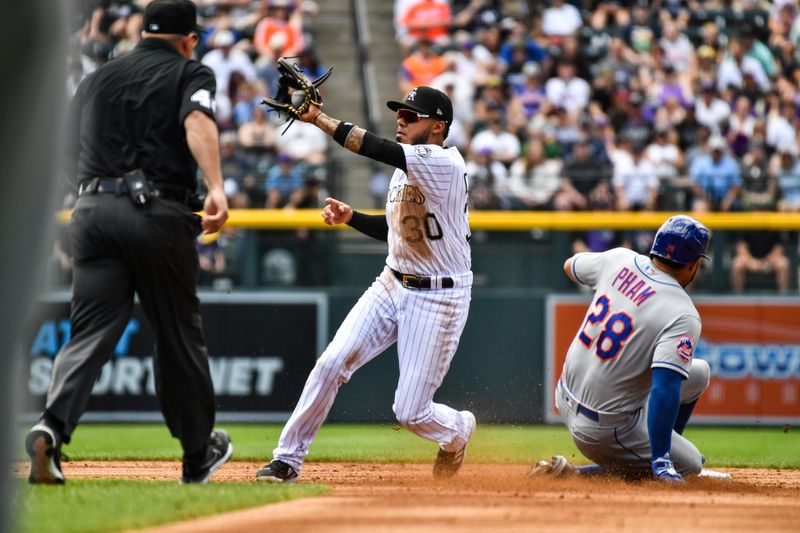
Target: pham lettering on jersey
x=406 y=193
x=633 y=288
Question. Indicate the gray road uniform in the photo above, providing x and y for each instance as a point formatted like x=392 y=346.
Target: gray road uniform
x=640 y=319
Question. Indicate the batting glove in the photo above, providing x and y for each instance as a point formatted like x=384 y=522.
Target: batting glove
x=664 y=470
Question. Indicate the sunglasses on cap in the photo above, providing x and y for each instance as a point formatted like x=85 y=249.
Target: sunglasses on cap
x=409 y=116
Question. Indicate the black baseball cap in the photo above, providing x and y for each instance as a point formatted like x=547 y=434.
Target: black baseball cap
x=171 y=16
x=427 y=101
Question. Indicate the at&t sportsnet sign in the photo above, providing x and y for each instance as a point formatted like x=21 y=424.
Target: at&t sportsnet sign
x=751 y=344
x=261 y=347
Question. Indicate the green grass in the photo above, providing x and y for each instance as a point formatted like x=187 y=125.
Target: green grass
x=113 y=505
x=743 y=447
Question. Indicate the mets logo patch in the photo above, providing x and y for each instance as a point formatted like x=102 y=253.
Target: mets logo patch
x=685 y=348
x=422 y=150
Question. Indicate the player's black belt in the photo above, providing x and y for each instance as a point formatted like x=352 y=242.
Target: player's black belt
x=119 y=187
x=411 y=281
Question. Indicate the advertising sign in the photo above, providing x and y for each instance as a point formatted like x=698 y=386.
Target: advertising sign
x=752 y=345
x=261 y=346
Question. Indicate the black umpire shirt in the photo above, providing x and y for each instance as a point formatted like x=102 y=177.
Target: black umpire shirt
x=129 y=114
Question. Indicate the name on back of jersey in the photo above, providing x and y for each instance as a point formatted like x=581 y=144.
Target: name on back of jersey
x=406 y=193
x=630 y=285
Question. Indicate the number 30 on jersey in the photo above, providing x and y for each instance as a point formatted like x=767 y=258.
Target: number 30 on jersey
x=614 y=329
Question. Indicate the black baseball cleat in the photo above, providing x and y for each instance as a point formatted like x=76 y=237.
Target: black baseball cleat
x=448 y=464
x=277 y=472
x=557 y=466
x=218 y=451
x=44 y=449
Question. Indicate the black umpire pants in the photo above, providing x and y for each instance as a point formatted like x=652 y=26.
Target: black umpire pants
x=120 y=249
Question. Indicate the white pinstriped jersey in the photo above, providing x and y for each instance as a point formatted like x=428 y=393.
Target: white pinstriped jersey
x=427 y=213
x=640 y=318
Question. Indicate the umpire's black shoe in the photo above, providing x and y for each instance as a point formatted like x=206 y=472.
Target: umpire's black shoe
x=448 y=464
x=218 y=451
x=44 y=449
x=277 y=472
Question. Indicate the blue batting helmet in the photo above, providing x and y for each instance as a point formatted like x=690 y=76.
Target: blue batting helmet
x=681 y=239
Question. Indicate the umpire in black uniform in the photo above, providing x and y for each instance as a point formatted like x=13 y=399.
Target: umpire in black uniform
x=143 y=123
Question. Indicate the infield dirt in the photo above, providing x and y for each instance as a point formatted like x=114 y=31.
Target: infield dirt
x=489 y=497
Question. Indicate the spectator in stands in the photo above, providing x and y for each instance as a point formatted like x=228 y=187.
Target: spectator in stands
x=461 y=92
x=225 y=60
x=233 y=164
x=787 y=172
x=560 y=20
x=583 y=172
x=706 y=62
x=678 y=50
x=257 y=136
x=491 y=103
x=503 y=145
x=535 y=180
x=782 y=17
x=716 y=177
x=736 y=65
x=760 y=251
x=304 y=142
x=741 y=126
x=517 y=50
x=472 y=15
x=488 y=180
x=754 y=48
x=698 y=146
x=665 y=155
x=635 y=181
x=246 y=103
x=427 y=20
x=710 y=110
x=672 y=87
x=617 y=67
x=643 y=31
x=567 y=91
x=253 y=190
x=781 y=124
x=283 y=180
x=759 y=186
x=280 y=33
x=421 y=67
x=528 y=98
x=632 y=120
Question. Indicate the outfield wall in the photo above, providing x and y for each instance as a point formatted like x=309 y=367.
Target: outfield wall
x=263 y=345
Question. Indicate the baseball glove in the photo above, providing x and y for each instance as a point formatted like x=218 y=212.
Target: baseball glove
x=296 y=92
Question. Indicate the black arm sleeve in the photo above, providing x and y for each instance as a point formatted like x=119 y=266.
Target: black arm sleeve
x=383 y=150
x=374 y=226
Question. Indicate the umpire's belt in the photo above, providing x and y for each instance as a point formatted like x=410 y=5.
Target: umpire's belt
x=411 y=281
x=119 y=187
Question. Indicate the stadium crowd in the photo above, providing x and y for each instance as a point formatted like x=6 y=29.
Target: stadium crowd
x=628 y=105
x=683 y=105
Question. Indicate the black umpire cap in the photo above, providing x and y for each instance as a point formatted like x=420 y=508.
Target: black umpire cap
x=171 y=16
x=426 y=101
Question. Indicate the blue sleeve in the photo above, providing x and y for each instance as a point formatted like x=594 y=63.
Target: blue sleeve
x=535 y=52
x=665 y=397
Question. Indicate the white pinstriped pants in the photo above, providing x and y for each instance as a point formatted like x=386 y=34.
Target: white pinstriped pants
x=427 y=325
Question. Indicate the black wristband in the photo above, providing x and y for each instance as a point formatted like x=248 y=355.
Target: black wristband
x=374 y=226
x=342 y=131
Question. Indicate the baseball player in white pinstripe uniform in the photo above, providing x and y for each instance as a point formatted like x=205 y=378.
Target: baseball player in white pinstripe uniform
x=629 y=382
x=420 y=300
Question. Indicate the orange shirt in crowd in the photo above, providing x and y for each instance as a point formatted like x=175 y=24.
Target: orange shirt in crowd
x=271 y=31
x=428 y=19
x=420 y=70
